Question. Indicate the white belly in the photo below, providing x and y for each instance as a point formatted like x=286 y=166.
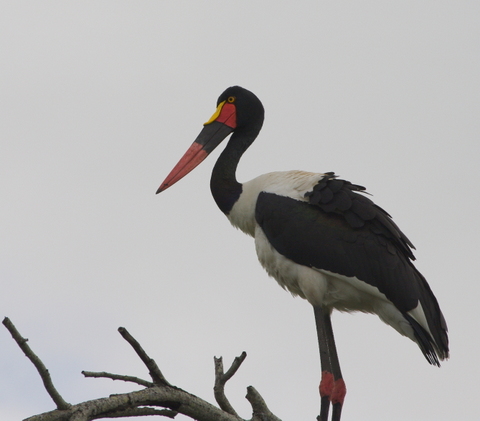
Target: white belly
x=324 y=288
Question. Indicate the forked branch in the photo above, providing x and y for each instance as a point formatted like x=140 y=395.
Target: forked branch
x=154 y=371
x=221 y=378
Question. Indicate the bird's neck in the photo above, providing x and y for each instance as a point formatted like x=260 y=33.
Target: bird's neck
x=224 y=185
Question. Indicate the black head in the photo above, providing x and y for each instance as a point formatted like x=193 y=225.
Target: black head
x=249 y=109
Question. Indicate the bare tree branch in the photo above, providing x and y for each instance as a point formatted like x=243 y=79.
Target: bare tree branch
x=158 y=398
x=221 y=378
x=112 y=376
x=136 y=412
x=155 y=373
x=42 y=370
x=260 y=408
x=169 y=397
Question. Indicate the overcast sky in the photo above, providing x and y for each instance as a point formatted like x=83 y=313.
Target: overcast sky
x=99 y=100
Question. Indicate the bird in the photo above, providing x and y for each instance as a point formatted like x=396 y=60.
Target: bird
x=321 y=238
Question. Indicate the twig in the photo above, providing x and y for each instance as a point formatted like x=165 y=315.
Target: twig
x=154 y=371
x=37 y=362
x=237 y=362
x=221 y=378
x=260 y=408
x=112 y=376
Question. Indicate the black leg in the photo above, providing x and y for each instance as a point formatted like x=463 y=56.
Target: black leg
x=326 y=383
x=332 y=386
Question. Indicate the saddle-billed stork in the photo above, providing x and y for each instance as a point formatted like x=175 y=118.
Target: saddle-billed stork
x=321 y=239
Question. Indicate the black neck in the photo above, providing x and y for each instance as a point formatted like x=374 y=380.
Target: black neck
x=224 y=185
x=225 y=188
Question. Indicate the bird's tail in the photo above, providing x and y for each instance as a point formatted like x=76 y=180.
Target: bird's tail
x=432 y=339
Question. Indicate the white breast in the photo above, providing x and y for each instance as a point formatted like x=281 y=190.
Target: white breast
x=292 y=184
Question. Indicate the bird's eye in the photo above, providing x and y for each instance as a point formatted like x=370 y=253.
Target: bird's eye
x=231 y=99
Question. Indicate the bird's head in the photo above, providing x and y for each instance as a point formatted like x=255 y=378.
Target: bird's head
x=238 y=110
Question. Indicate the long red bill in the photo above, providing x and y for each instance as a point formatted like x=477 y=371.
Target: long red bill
x=208 y=139
x=192 y=158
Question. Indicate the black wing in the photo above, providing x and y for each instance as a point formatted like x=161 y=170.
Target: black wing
x=344 y=232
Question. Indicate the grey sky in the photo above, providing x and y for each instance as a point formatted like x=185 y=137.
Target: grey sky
x=98 y=101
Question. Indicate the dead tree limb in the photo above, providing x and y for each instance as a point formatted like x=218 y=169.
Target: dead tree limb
x=37 y=362
x=158 y=398
x=154 y=371
x=221 y=378
x=260 y=409
x=105 y=375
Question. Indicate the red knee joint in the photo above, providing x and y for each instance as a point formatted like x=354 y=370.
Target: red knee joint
x=339 y=392
x=326 y=384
